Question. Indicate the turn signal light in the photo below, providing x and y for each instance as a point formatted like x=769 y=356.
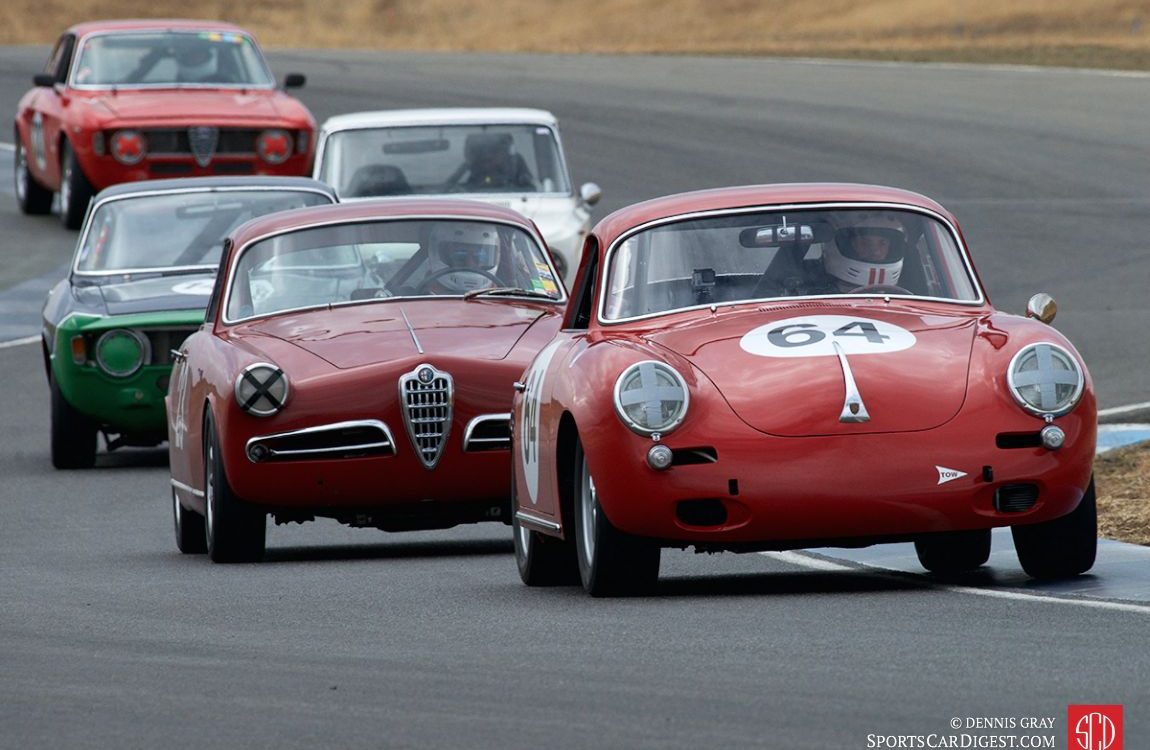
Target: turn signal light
x=79 y=350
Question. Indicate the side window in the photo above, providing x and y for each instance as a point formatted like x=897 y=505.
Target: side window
x=61 y=58
x=582 y=303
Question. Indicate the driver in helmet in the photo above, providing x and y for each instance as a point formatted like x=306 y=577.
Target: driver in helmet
x=463 y=257
x=867 y=251
x=195 y=61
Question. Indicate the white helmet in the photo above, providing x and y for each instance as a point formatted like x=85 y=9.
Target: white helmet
x=470 y=248
x=195 y=60
x=868 y=249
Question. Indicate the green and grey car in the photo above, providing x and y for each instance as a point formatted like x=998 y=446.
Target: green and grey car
x=143 y=272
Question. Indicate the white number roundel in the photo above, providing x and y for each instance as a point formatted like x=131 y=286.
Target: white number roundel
x=816 y=335
x=528 y=427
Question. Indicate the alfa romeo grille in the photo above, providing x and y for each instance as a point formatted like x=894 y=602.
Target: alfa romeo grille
x=425 y=396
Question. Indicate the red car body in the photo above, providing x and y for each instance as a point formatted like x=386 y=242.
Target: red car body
x=768 y=455
x=345 y=365
x=79 y=131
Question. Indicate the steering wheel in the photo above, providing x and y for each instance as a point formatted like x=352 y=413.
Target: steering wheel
x=424 y=286
x=880 y=289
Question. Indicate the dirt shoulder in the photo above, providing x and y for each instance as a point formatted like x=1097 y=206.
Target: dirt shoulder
x=1088 y=33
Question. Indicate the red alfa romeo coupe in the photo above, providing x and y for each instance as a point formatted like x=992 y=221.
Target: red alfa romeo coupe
x=357 y=363
x=795 y=366
x=135 y=100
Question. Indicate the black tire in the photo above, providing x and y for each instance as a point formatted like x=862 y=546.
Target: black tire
x=954 y=552
x=191 y=537
x=73 y=434
x=236 y=531
x=1064 y=547
x=34 y=198
x=75 y=190
x=543 y=560
x=611 y=562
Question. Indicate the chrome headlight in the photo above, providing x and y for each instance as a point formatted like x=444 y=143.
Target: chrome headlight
x=651 y=397
x=1045 y=379
x=121 y=352
x=262 y=389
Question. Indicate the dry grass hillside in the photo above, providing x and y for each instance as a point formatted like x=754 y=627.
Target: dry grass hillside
x=1097 y=33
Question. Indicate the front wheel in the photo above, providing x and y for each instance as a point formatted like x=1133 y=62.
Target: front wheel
x=73 y=434
x=953 y=552
x=33 y=197
x=611 y=562
x=1061 y=548
x=75 y=190
x=235 y=530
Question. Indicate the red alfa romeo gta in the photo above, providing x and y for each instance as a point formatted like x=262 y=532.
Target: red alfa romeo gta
x=135 y=100
x=790 y=366
x=357 y=363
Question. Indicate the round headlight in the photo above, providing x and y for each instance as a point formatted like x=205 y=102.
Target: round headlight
x=121 y=352
x=128 y=147
x=651 y=397
x=274 y=146
x=1045 y=379
x=262 y=389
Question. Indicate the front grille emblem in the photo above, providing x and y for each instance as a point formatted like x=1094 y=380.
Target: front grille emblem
x=425 y=397
x=203 y=141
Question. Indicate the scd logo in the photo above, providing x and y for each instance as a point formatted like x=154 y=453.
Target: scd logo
x=1095 y=727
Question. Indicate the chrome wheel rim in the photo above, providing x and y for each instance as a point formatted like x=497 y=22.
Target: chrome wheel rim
x=210 y=491
x=66 y=186
x=21 y=174
x=589 y=514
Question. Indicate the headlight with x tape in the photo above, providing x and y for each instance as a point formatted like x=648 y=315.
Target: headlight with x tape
x=1045 y=379
x=262 y=389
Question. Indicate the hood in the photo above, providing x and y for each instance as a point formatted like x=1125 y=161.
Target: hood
x=192 y=106
x=358 y=335
x=782 y=374
x=156 y=294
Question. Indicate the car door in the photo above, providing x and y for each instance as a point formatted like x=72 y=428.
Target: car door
x=44 y=117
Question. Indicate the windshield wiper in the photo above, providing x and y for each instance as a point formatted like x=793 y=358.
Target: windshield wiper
x=507 y=291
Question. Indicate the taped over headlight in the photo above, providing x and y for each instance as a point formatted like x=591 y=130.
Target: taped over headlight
x=651 y=397
x=121 y=352
x=1045 y=379
x=262 y=389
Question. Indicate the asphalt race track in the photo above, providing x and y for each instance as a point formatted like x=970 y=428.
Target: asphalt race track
x=353 y=638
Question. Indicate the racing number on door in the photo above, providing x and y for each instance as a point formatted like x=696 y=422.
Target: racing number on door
x=816 y=336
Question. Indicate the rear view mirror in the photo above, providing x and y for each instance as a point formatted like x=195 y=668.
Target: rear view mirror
x=294 y=81
x=424 y=146
x=1042 y=307
x=590 y=193
x=775 y=236
x=44 y=79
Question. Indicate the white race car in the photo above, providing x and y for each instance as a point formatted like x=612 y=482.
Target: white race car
x=510 y=157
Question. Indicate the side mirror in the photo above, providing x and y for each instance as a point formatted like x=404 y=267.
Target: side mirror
x=1042 y=307
x=44 y=79
x=590 y=193
x=294 y=81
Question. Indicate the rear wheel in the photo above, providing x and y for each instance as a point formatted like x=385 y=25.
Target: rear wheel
x=611 y=562
x=954 y=552
x=33 y=197
x=1061 y=548
x=73 y=434
x=191 y=538
x=75 y=190
x=543 y=560
x=235 y=530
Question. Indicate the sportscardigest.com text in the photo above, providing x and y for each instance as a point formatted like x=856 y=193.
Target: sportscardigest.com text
x=976 y=732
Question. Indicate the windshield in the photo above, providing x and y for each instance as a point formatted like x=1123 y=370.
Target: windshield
x=171 y=58
x=443 y=159
x=777 y=254
x=376 y=260
x=165 y=231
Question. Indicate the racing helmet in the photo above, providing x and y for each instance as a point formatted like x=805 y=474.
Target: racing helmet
x=195 y=59
x=468 y=247
x=868 y=249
